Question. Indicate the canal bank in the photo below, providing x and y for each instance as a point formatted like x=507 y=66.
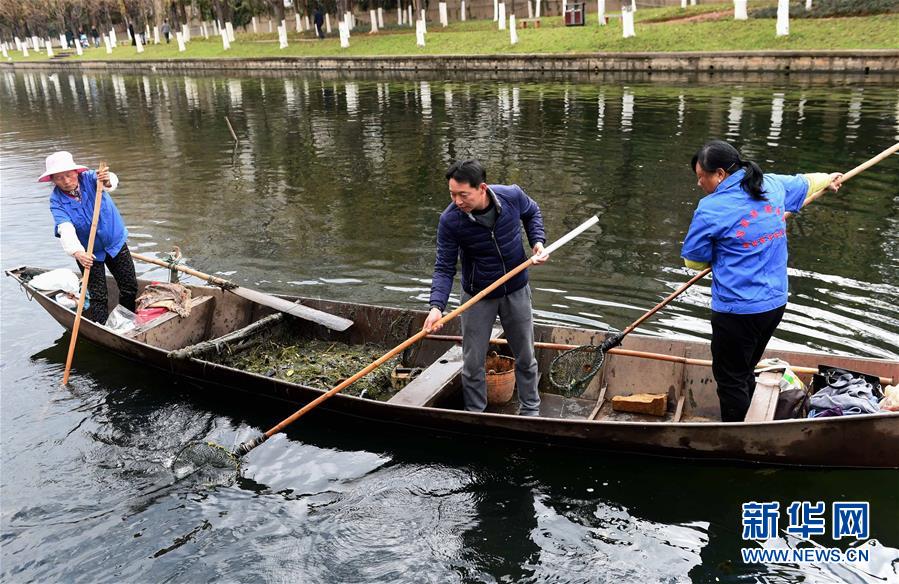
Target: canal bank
x=875 y=62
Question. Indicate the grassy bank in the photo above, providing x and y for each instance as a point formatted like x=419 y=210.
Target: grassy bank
x=698 y=28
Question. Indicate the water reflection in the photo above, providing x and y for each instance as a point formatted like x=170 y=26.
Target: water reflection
x=338 y=180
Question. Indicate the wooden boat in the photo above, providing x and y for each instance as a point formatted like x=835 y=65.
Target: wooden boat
x=221 y=322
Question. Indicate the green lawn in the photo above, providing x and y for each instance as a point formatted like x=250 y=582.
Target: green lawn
x=481 y=37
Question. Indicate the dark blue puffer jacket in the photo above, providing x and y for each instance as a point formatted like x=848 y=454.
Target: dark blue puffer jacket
x=486 y=256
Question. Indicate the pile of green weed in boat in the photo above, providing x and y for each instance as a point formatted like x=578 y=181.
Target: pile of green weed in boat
x=320 y=364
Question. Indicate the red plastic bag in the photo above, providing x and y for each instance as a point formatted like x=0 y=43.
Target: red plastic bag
x=145 y=315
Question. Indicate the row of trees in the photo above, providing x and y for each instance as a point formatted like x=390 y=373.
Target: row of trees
x=50 y=18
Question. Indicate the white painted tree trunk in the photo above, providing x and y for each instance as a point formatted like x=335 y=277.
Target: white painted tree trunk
x=180 y=38
x=692 y=2
x=63 y=44
x=537 y=10
x=530 y=10
x=205 y=30
x=155 y=35
x=282 y=35
x=185 y=33
x=399 y=15
x=462 y=12
x=226 y=44
x=409 y=17
x=380 y=17
x=25 y=49
x=627 y=21
x=139 y=45
x=783 y=17
x=108 y=44
x=502 y=16
x=77 y=48
x=683 y=3
x=253 y=24
x=230 y=28
x=5 y=52
x=308 y=24
x=420 y=29
x=601 y=12
x=343 y=29
x=298 y=22
x=495 y=10
x=740 y=12
x=49 y=49
x=513 y=33
x=808 y=4
x=328 y=23
x=444 y=17
x=374 y=20
x=112 y=38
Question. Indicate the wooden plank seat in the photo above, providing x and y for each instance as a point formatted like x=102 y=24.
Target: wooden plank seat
x=424 y=389
x=764 y=399
x=171 y=331
x=529 y=22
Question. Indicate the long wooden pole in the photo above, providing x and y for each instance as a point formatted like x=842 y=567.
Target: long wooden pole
x=858 y=169
x=98 y=200
x=251 y=444
x=631 y=353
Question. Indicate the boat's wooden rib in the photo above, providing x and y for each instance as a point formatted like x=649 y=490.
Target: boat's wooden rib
x=689 y=429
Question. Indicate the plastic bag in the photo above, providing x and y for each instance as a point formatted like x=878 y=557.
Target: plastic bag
x=789 y=380
x=70 y=301
x=121 y=320
x=890 y=401
x=61 y=279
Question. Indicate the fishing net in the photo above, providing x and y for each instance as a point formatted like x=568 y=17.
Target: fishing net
x=571 y=371
x=207 y=462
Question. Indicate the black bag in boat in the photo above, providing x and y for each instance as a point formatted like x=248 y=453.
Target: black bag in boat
x=792 y=404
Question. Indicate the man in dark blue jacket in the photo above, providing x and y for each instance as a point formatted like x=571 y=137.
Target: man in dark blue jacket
x=482 y=226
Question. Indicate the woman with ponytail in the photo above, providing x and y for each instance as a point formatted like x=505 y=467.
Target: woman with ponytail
x=739 y=230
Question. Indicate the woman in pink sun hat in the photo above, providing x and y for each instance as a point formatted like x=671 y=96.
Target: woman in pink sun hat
x=72 y=206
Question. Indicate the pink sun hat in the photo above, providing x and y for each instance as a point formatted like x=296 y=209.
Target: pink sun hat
x=60 y=162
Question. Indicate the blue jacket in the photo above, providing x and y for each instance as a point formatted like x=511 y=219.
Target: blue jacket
x=111 y=231
x=745 y=241
x=486 y=255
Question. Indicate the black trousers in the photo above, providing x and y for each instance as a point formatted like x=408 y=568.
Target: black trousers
x=738 y=341
x=122 y=269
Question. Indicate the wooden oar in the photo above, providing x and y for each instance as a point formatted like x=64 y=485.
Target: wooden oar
x=332 y=321
x=98 y=200
x=861 y=167
x=630 y=353
x=251 y=444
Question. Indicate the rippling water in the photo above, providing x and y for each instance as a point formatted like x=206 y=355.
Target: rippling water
x=334 y=190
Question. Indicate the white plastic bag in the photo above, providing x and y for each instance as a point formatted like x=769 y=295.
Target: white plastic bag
x=121 y=320
x=70 y=301
x=61 y=279
x=789 y=380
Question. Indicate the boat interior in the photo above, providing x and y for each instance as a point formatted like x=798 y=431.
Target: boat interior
x=222 y=326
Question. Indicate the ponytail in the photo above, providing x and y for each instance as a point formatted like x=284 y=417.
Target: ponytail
x=719 y=154
x=752 y=180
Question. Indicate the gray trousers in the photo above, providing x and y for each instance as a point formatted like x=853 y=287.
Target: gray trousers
x=514 y=312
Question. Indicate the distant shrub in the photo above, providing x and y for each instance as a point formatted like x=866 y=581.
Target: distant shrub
x=831 y=8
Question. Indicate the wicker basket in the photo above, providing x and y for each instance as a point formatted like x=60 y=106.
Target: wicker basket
x=500 y=378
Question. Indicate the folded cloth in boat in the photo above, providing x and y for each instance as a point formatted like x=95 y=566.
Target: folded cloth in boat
x=850 y=393
x=174 y=297
x=61 y=279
